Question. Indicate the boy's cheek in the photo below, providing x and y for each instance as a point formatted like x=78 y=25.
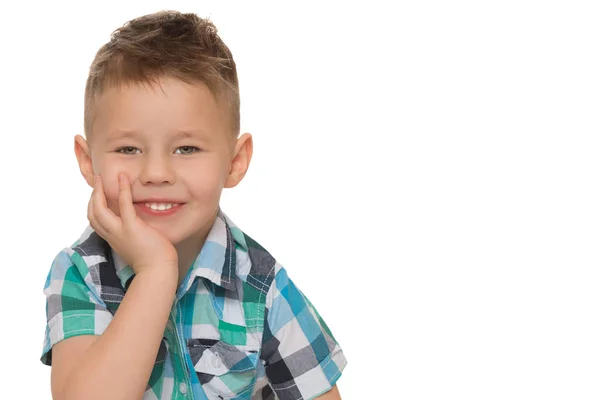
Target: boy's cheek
x=114 y=207
x=111 y=186
x=111 y=191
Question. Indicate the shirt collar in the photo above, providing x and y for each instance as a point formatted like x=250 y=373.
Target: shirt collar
x=216 y=261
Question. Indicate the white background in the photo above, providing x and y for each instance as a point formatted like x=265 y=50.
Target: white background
x=426 y=171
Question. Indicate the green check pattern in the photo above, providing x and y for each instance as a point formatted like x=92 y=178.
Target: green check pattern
x=239 y=328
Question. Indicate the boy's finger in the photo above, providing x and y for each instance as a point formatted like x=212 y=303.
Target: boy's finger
x=106 y=219
x=126 y=208
x=92 y=218
x=90 y=210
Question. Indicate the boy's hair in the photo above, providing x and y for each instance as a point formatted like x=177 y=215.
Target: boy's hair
x=165 y=44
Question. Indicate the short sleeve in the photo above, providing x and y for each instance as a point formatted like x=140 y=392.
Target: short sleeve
x=73 y=307
x=302 y=358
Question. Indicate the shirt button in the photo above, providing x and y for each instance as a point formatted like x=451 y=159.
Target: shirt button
x=217 y=363
x=183 y=388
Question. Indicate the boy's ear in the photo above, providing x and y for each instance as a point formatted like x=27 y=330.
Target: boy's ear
x=84 y=159
x=241 y=160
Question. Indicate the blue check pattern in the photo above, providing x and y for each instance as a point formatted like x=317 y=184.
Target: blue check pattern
x=239 y=328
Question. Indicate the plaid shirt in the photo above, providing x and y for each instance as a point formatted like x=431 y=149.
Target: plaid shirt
x=239 y=328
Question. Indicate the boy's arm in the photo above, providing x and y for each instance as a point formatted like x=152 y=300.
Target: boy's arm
x=118 y=364
x=333 y=394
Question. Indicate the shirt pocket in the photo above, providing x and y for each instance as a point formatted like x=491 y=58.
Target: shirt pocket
x=224 y=370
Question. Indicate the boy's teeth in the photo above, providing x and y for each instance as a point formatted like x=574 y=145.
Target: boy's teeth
x=160 y=206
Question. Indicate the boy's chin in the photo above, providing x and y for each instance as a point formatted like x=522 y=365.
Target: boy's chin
x=176 y=238
x=172 y=237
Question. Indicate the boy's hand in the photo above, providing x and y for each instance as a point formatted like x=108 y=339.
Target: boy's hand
x=140 y=245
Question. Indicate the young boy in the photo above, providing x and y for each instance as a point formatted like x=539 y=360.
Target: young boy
x=163 y=297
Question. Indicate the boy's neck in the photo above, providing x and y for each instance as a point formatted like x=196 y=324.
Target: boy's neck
x=188 y=250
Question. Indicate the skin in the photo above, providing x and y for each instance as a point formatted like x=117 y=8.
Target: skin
x=136 y=151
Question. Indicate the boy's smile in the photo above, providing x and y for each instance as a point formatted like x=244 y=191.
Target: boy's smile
x=174 y=143
x=158 y=208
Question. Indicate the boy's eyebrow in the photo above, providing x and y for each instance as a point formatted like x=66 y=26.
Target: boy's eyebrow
x=180 y=134
x=193 y=133
x=118 y=134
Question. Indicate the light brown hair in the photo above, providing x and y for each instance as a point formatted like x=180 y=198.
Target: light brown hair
x=165 y=44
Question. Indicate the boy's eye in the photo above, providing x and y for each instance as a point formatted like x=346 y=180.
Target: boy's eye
x=187 y=149
x=130 y=150
x=127 y=150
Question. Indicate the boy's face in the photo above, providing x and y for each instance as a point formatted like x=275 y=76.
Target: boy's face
x=174 y=144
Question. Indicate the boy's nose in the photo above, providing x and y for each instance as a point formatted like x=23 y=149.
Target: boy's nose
x=157 y=170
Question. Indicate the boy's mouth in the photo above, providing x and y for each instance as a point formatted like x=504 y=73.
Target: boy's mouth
x=160 y=206
x=155 y=208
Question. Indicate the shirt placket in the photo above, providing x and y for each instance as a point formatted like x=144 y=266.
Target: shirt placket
x=182 y=389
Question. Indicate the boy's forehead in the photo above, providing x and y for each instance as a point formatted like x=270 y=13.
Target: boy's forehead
x=175 y=109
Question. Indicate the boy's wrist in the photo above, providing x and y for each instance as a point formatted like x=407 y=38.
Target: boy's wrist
x=161 y=274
